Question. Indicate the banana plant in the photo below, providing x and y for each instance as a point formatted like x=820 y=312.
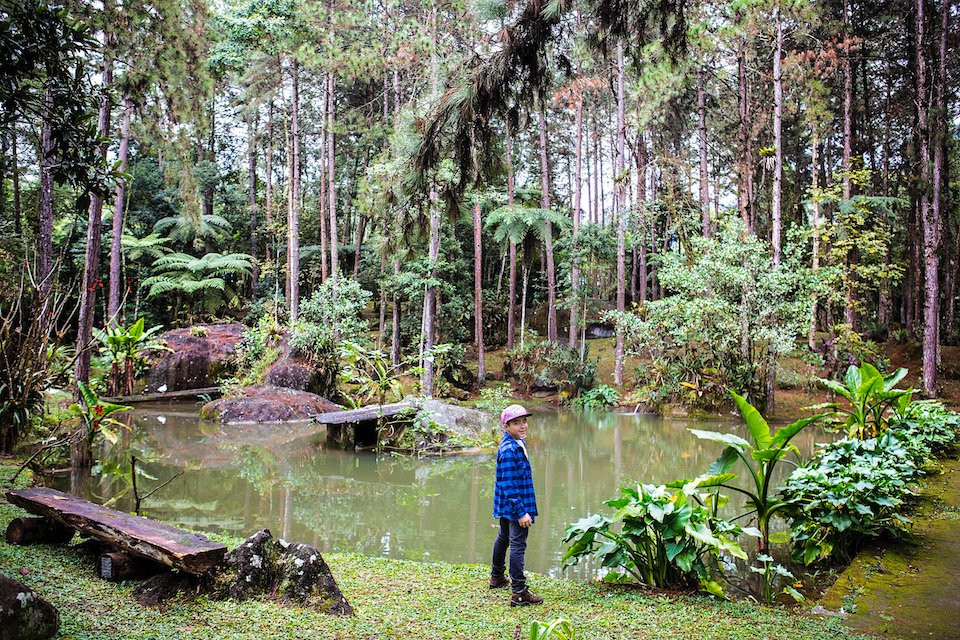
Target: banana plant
x=869 y=394
x=760 y=458
x=126 y=348
x=96 y=415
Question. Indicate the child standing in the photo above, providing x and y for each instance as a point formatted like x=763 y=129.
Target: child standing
x=515 y=505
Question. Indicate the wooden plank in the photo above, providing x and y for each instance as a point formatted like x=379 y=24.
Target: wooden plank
x=363 y=414
x=166 y=395
x=139 y=536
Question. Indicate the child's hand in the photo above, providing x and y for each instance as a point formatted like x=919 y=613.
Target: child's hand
x=526 y=520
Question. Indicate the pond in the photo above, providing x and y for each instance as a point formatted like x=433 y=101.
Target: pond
x=238 y=479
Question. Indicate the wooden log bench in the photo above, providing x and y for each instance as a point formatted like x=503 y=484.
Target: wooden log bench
x=135 y=535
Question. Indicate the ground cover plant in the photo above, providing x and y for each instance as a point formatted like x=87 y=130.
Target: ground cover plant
x=392 y=599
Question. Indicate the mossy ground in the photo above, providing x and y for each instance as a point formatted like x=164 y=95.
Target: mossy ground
x=910 y=590
x=393 y=599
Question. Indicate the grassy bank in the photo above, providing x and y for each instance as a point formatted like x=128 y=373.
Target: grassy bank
x=393 y=599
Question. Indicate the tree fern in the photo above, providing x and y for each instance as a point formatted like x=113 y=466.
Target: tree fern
x=203 y=281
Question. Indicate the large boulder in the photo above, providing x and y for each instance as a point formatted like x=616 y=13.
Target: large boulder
x=470 y=424
x=198 y=356
x=296 y=372
x=23 y=614
x=265 y=403
x=295 y=574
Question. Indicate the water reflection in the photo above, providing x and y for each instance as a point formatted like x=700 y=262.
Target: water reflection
x=240 y=479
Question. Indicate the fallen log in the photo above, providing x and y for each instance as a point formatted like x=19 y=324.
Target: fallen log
x=116 y=566
x=33 y=530
x=139 y=536
x=23 y=614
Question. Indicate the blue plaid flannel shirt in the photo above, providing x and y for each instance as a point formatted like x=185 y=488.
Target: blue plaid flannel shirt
x=513 y=491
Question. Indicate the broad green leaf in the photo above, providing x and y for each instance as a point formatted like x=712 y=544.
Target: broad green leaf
x=783 y=435
x=713 y=588
x=758 y=427
x=714 y=480
x=853 y=379
x=729 y=439
x=724 y=463
x=891 y=380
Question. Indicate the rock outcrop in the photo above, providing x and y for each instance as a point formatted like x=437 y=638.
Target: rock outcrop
x=295 y=372
x=266 y=403
x=198 y=356
x=292 y=573
x=23 y=614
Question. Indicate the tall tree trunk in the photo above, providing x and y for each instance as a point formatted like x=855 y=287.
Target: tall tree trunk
x=928 y=219
x=512 y=295
x=849 y=311
x=268 y=193
x=884 y=302
x=361 y=231
x=331 y=188
x=642 y=162
x=574 y=262
x=478 y=288
x=548 y=229
x=430 y=298
x=211 y=154
x=621 y=202
x=91 y=265
x=17 y=213
x=45 y=210
x=324 y=200
x=293 y=240
x=704 y=184
x=395 y=319
x=744 y=177
x=775 y=213
x=815 y=207
x=939 y=164
x=775 y=207
x=252 y=199
x=119 y=206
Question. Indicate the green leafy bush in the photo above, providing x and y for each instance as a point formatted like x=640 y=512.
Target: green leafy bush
x=659 y=536
x=724 y=308
x=338 y=310
x=852 y=492
x=259 y=347
x=599 y=397
x=928 y=421
x=550 y=364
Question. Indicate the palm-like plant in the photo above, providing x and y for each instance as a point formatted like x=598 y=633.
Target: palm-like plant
x=523 y=226
x=205 y=281
x=126 y=348
x=760 y=458
x=196 y=230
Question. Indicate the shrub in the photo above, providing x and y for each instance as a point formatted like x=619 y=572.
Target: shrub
x=339 y=313
x=598 y=398
x=551 y=364
x=259 y=347
x=658 y=536
x=930 y=423
x=724 y=308
x=851 y=493
x=871 y=398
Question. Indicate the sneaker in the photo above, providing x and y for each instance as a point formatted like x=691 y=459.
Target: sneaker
x=523 y=598
x=498 y=582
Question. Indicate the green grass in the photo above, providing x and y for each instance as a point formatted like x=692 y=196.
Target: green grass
x=392 y=599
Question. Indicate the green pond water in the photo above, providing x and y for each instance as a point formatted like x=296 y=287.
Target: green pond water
x=238 y=479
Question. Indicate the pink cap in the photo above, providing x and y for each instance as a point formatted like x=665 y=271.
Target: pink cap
x=512 y=412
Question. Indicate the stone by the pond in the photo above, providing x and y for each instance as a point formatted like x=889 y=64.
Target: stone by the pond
x=296 y=372
x=463 y=421
x=265 y=403
x=23 y=614
x=198 y=356
x=295 y=573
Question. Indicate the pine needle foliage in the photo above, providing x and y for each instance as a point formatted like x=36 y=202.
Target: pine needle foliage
x=517 y=74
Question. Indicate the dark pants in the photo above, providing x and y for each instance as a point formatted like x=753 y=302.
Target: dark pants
x=514 y=536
